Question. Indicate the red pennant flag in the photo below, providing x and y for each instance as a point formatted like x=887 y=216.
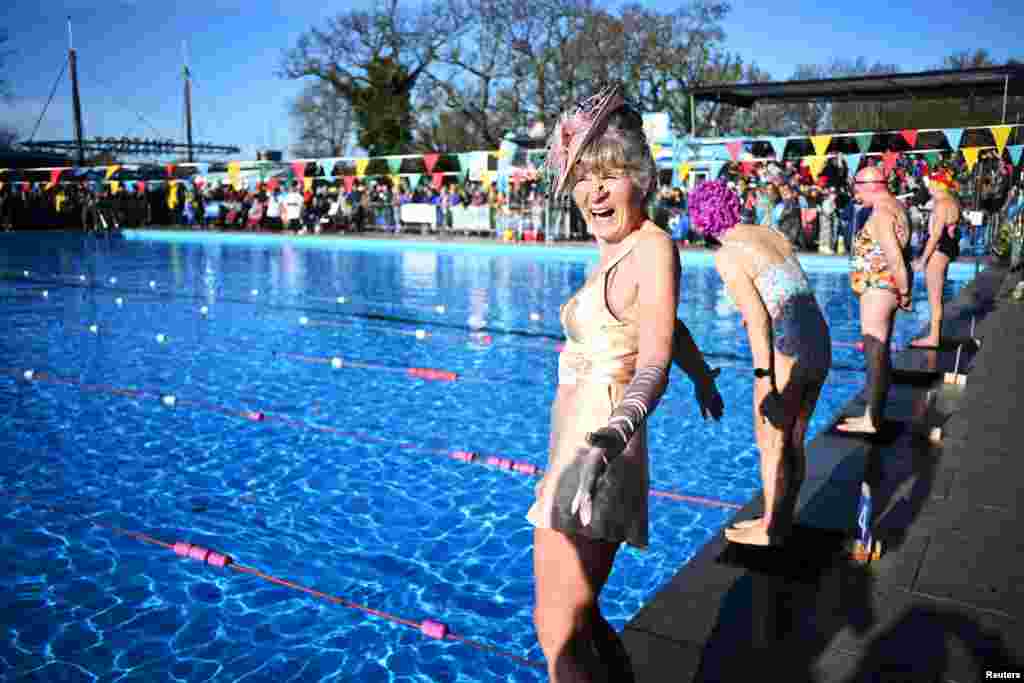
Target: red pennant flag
x=349 y=181
x=430 y=160
x=910 y=136
x=170 y=170
x=141 y=187
x=55 y=175
x=299 y=169
x=889 y=161
x=734 y=149
x=437 y=180
x=272 y=184
x=747 y=167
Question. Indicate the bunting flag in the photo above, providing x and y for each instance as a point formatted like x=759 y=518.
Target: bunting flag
x=853 y=161
x=889 y=160
x=394 y=165
x=1001 y=135
x=235 y=174
x=273 y=184
x=953 y=136
x=129 y=185
x=170 y=170
x=485 y=179
x=656 y=150
x=910 y=136
x=307 y=184
x=437 y=180
x=864 y=142
x=734 y=147
x=55 y=175
x=172 y=196
x=820 y=143
x=429 y=161
x=299 y=169
x=779 y=147
x=933 y=160
x=115 y=186
x=202 y=168
x=414 y=179
x=1015 y=152
x=349 y=182
x=464 y=160
x=684 y=171
x=328 y=166
x=111 y=170
x=716 y=168
x=361 y=165
x=816 y=163
x=396 y=181
x=971 y=156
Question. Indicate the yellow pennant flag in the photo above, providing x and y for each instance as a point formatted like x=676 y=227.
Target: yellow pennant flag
x=396 y=181
x=111 y=170
x=115 y=186
x=172 y=196
x=500 y=154
x=820 y=143
x=485 y=178
x=655 y=150
x=816 y=163
x=235 y=174
x=684 y=171
x=361 y=165
x=970 y=156
x=307 y=184
x=1001 y=134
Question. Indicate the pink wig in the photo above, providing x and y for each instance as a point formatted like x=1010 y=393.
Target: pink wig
x=714 y=208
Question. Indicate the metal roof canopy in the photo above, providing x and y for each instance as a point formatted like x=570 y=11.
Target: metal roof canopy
x=988 y=81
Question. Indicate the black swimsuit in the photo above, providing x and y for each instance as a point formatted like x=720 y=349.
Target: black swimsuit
x=949 y=244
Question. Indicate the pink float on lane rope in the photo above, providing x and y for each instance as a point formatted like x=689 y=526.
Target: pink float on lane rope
x=434 y=629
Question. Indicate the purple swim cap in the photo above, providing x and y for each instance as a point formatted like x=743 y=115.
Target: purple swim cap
x=714 y=208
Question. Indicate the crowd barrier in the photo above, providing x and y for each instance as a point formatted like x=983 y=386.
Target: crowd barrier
x=422 y=215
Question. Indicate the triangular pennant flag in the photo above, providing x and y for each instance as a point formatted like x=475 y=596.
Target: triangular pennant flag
x=361 y=165
x=307 y=184
x=853 y=162
x=299 y=169
x=394 y=165
x=971 y=156
x=115 y=186
x=202 y=168
x=1001 y=135
x=328 y=166
x=656 y=150
x=170 y=170
x=820 y=143
x=349 y=182
x=1015 y=152
x=684 y=171
x=129 y=185
x=141 y=186
x=864 y=142
x=816 y=163
x=953 y=136
x=889 y=160
x=273 y=184
x=55 y=175
x=716 y=168
x=910 y=136
x=465 y=159
x=485 y=179
x=778 y=146
x=111 y=170
x=734 y=147
x=429 y=161
x=437 y=180
x=414 y=180
x=933 y=159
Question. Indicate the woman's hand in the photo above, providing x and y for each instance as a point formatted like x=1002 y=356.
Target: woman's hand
x=708 y=398
x=604 y=445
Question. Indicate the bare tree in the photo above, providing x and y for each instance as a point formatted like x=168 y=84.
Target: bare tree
x=323 y=120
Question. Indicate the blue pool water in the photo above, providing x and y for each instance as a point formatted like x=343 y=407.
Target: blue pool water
x=372 y=511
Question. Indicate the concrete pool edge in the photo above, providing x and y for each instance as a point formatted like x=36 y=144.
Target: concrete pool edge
x=718 y=619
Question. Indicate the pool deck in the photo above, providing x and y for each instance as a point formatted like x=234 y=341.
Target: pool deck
x=946 y=600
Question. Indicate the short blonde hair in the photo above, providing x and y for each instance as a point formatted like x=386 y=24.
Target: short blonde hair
x=622 y=145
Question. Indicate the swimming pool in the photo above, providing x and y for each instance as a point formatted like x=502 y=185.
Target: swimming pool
x=345 y=485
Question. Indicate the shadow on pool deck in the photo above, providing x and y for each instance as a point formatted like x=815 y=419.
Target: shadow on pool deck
x=946 y=600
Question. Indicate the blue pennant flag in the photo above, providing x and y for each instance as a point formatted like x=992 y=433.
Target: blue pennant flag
x=1015 y=152
x=202 y=168
x=328 y=166
x=953 y=136
x=716 y=168
x=779 y=145
x=853 y=162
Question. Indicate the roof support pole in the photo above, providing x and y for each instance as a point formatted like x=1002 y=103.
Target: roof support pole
x=693 y=116
x=1006 y=90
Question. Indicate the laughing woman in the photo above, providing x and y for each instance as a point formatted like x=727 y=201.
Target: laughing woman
x=621 y=330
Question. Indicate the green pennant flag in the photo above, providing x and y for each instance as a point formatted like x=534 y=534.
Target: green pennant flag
x=932 y=158
x=864 y=141
x=394 y=165
x=465 y=159
x=414 y=180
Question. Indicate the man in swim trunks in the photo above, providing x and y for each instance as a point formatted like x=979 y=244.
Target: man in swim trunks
x=943 y=247
x=881 y=276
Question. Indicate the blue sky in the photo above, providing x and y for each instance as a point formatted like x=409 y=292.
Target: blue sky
x=130 y=55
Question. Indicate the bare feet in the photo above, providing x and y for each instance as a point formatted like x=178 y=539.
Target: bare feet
x=755 y=535
x=747 y=523
x=857 y=425
x=925 y=343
